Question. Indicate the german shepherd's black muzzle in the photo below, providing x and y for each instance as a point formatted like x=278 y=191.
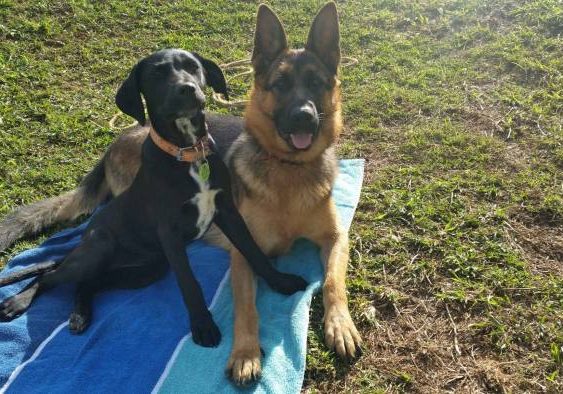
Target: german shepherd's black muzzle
x=297 y=121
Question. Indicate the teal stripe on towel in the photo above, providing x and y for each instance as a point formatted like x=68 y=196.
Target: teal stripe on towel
x=283 y=320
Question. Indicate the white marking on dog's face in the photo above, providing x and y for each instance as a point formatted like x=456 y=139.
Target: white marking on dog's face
x=187 y=129
x=204 y=201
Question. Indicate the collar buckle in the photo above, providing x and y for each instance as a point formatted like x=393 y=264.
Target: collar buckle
x=180 y=153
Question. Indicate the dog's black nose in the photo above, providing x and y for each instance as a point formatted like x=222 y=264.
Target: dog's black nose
x=187 y=89
x=303 y=117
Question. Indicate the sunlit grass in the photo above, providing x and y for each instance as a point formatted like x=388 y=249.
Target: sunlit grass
x=457 y=106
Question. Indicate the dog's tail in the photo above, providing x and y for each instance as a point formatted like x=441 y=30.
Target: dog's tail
x=28 y=272
x=32 y=219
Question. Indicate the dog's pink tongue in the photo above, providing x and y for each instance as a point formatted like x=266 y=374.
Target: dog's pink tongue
x=301 y=141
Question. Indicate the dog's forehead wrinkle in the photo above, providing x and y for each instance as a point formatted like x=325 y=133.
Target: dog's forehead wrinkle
x=312 y=73
x=300 y=64
x=195 y=60
x=175 y=52
x=198 y=75
x=280 y=73
x=309 y=61
x=161 y=63
x=176 y=59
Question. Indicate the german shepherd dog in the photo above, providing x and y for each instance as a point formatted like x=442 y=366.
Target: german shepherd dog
x=283 y=168
x=175 y=196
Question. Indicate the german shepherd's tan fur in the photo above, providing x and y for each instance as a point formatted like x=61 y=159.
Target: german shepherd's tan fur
x=283 y=193
x=287 y=195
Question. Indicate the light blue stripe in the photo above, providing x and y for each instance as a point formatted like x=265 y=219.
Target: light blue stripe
x=132 y=336
x=283 y=320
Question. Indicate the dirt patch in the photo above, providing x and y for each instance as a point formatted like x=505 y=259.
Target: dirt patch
x=423 y=346
x=541 y=246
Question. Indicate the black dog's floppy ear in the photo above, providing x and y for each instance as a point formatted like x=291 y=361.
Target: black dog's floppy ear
x=128 y=97
x=213 y=75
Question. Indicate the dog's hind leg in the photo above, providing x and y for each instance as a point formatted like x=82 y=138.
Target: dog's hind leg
x=125 y=278
x=148 y=270
x=81 y=316
x=83 y=263
x=18 y=304
x=136 y=277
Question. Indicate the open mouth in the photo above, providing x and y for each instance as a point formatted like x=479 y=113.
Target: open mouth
x=301 y=141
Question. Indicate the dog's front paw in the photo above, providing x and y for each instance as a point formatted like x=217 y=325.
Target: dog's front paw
x=288 y=283
x=205 y=332
x=341 y=333
x=243 y=367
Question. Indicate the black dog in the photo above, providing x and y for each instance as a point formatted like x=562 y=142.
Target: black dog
x=176 y=195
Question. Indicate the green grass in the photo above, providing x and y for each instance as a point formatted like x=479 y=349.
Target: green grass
x=457 y=106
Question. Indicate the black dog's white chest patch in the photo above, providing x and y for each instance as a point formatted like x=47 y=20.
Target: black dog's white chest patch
x=204 y=200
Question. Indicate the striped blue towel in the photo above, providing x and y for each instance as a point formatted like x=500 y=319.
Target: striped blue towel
x=139 y=340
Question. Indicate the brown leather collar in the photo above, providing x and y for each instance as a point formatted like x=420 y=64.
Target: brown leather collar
x=190 y=154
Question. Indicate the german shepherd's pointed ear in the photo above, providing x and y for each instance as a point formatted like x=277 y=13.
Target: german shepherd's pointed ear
x=213 y=75
x=128 y=97
x=324 y=37
x=269 y=39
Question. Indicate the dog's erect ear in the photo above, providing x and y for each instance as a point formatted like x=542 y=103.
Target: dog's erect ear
x=128 y=97
x=324 y=37
x=213 y=75
x=269 y=39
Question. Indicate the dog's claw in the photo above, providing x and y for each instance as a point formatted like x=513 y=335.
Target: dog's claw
x=288 y=284
x=243 y=368
x=10 y=309
x=341 y=333
x=16 y=305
